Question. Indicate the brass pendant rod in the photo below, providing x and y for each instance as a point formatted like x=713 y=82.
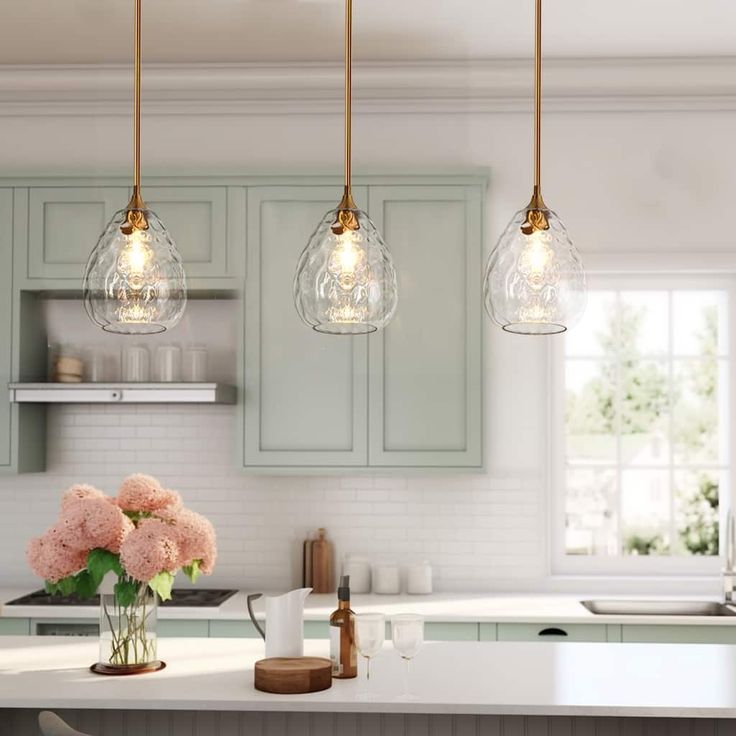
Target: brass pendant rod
x=347 y=197
x=538 y=102
x=136 y=201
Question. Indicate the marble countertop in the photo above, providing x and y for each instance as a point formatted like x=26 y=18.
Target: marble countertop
x=438 y=607
x=664 y=680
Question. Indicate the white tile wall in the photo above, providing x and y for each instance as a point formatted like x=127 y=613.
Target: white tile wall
x=478 y=531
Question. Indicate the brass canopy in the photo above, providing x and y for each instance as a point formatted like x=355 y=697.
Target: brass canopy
x=535 y=220
x=135 y=217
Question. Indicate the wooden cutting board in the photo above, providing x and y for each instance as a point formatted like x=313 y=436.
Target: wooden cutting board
x=290 y=676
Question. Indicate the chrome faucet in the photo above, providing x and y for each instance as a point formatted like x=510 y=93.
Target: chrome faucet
x=729 y=573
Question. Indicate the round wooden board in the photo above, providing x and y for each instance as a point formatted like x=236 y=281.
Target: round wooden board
x=290 y=676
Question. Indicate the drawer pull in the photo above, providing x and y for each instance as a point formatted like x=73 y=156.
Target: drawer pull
x=552 y=632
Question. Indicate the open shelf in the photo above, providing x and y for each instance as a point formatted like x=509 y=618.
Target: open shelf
x=122 y=393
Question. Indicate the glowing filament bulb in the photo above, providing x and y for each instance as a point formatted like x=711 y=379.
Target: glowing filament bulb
x=136 y=258
x=348 y=263
x=537 y=264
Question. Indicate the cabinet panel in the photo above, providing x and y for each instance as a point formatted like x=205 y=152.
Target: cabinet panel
x=234 y=629
x=15 y=626
x=425 y=367
x=551 y=632
x=64 y=224
x=196 y=217
x=6 y=301
x=305 y=393
x=437 y=631
x=176 y=627
x=679 y=634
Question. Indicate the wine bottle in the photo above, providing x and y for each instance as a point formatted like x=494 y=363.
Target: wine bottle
x=343 y=653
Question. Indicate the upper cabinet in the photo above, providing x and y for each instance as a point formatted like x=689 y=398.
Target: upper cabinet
x=306 y=394
x=64 y=222
x=409 y=396
x=425 y=367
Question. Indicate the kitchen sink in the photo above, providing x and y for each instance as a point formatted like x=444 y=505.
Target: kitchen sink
x=658 y=608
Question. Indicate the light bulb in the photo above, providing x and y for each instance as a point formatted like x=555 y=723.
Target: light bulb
x=135 y=258
x=534 y=281
x=345 y=283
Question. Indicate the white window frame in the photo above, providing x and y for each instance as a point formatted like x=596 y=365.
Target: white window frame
x=635 y=566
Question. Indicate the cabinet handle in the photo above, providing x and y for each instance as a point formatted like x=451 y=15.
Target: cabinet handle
x=552 y=632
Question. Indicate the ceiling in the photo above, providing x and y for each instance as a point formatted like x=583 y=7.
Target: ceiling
x=95 y=31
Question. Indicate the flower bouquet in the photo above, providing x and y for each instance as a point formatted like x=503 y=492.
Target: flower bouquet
x=140 y=539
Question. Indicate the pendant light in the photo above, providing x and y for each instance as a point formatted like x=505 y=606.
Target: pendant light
x=345 y=282
x=534 y=280
x=134 y=283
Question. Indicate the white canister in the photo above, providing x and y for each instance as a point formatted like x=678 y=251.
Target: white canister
x=168 y=363
x=195 y=364
x=386 y=578
x=136 y=367
x=419 y=578
x=359 y=570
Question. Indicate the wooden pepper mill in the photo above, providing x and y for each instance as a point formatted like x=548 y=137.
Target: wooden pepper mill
x=323 y=579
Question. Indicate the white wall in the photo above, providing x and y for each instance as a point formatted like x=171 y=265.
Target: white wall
x=625 y=182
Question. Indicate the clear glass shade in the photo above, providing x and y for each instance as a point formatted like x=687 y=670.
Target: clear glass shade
x=345 y=283
x=535 y=283
x=134 y=283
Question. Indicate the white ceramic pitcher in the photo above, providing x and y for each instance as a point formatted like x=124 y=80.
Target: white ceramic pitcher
x=284 y=634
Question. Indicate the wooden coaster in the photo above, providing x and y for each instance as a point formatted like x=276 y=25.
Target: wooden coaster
x=100 y=668
x=290 y=676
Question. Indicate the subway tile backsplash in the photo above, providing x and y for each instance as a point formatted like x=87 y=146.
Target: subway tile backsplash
x=478 y=531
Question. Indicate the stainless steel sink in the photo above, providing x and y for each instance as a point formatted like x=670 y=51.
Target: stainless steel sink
x=658 y=608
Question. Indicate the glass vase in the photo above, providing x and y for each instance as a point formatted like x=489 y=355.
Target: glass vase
x=128 y=634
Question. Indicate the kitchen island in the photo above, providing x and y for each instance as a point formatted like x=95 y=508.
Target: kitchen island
x=524 y=688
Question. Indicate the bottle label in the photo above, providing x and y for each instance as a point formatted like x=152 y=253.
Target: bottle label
x=335 y=632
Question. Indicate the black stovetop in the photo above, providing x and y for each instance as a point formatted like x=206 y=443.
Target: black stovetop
x=180 y=598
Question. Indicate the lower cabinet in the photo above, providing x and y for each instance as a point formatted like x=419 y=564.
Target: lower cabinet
x=679 y=634
x=552 y=632
x=184 y=628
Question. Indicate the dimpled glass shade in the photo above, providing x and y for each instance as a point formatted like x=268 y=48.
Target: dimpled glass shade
x=134 y=283
x=345 y=283
x=535 y=284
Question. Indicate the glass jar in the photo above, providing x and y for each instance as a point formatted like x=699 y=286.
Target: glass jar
x=128 y=631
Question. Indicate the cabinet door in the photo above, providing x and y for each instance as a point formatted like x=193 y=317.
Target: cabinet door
x=6 y=300
x=64 y=225
x=425 y=366
x=305 y=393
x=679 y=634
x=552 y=632
x=196 y=217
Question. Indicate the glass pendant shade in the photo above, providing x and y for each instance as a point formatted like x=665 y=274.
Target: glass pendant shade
x=534 y=281
x=134 y=283
x=345 y=282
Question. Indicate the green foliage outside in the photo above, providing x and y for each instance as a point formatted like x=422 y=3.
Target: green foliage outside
x=641 y=391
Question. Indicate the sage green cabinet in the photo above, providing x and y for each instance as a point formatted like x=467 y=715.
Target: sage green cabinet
x=188 y=628
x=450 y=631
x=64 y=223
x=7 y=443
x=206 y=220
x=409 y=396
x=425 y=367
x=722 y=634
x=15 y=626
x=551 y=632
x=305 y=393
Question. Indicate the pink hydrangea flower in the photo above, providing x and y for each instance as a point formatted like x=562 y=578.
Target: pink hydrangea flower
x=51 y=559
x=80 y=492
x=149 y=549
x=144 y=493
x=93 y=522
x=195 y=536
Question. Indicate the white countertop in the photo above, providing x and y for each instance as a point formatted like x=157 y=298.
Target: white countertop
x=438 y=607
x=665 y=680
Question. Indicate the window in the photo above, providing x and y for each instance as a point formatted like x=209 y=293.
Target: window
x=643 y=450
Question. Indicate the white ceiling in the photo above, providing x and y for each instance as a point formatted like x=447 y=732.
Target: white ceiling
x=94 y=31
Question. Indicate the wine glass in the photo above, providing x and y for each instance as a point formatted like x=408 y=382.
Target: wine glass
x=370 y=633
x=407 y=632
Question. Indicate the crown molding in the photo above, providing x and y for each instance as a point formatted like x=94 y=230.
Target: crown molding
x=416 y=87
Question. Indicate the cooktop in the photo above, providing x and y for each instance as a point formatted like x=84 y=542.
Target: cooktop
x=182 y=598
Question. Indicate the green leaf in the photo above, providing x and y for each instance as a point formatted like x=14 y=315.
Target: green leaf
x=192 y=571
x=162 y=584
x=85 y=584
x=66 y=586
x=126 y=591
x=51 y=588
x=100 y=562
